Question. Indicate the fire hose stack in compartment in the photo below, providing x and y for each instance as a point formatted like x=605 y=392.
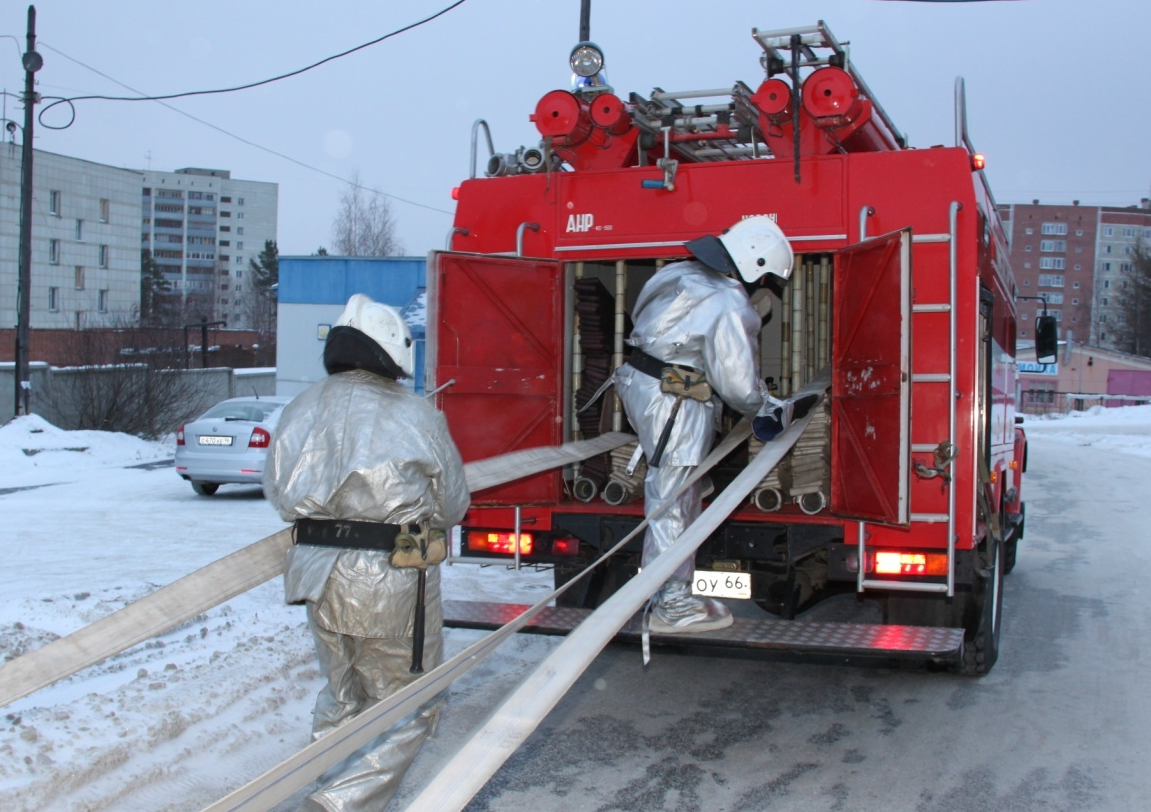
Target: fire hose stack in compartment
x=624 y=487
x=804 y=475
x=594 y=310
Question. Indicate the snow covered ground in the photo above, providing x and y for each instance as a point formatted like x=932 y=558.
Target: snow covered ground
x=92 y=521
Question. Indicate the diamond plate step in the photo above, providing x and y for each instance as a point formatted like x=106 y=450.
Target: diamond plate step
x=843 y=639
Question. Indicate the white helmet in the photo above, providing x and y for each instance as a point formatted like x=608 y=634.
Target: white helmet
x=384 y=325
x=752 y=247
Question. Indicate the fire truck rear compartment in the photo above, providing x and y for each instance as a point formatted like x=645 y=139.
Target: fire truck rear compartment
x=788 y=561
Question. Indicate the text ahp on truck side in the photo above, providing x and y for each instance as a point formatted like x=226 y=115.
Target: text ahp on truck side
x=906 y=485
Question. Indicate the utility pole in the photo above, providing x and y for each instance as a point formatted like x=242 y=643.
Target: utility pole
x=32 y=63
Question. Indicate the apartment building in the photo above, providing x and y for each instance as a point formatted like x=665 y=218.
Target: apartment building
x=1075 y=258
x=203 y=227
x=85 y=241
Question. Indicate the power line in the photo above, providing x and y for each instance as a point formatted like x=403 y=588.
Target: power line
x=250 y=85
x=240 y=138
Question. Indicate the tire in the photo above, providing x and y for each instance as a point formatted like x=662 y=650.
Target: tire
x=205 y=488
x=981 y=644
x=976 y=609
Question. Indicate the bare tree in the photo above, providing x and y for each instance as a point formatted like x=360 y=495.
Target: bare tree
x=364 y=226
x=124 y=379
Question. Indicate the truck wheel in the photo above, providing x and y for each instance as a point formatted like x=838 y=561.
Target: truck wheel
x=205 y=488
x=981 y=644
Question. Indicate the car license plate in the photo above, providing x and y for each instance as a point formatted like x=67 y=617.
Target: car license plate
x=722 y=584
x=214 y=440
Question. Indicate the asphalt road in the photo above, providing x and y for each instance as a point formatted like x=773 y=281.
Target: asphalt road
x=1063 y=722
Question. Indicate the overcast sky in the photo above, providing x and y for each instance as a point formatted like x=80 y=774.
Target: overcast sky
x=1057 y=90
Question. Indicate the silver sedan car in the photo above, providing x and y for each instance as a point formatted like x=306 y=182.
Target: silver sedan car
x=228 y=443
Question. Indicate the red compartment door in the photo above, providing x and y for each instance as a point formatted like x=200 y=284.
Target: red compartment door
x=496 y=326
x=871 y=380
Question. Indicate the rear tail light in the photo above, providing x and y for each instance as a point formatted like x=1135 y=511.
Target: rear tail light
x=499 y=542
x=180 y=436
x=260 y=438
x=565 y=546
x=892 y=562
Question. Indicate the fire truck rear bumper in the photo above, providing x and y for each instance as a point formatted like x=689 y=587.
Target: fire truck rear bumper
x=795 y=637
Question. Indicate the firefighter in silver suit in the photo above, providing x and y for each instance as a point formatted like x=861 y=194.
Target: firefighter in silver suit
x=362 y=466
x=697 y=314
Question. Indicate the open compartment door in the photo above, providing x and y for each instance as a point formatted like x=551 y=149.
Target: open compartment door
x=871 y=380
x=496 y=328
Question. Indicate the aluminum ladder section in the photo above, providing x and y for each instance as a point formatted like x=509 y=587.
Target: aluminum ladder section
x=946 y=378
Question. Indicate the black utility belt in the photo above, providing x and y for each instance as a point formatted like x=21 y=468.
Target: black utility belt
x=350 y=534
x=650 y=365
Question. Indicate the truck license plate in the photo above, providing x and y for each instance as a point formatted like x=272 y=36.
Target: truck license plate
x=213 y=440
x=722 y=584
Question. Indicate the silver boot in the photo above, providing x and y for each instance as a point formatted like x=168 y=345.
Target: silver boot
x=676 y=611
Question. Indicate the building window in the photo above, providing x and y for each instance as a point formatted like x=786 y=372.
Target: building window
x=1050 y=280
x=225 y=214
x=102 y=301
x=104 y=209
x=240 y=214
x=1105 y=301
x=239 y=288
x=1076 y=286
x=1106 y=283
x=240 y=230
x=1078 y=232
x=1074 y=301
x=1108 y=231
x=1028 y=248
x=103 y=256
x=239 y=274
x=79 y=277
x=240 y=200
x=239 y=260
x=54 y=251
x=1079 y=249
x=1027 y=264
x=1053 y=245
x=80 y=230
x=1052 y=263
x=225 y=243
x=1026 y=283
x=54 y=202
x=1053 y=298
x=1030 y=231
x=225 y=228
x=54 y=300
x=1054 y=228
x=1128 y=232
x=240 y=244
x=1107 y=249
x=1078 y=266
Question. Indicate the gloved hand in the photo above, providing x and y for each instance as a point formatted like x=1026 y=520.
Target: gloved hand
x=777 y=415
x=771 y=420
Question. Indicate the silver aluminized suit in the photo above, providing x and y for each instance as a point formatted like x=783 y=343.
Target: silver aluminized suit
x=360 y=446
x=691 y=315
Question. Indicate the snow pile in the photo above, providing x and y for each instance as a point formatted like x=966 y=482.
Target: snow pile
x=1124 y=429
x=34 y=452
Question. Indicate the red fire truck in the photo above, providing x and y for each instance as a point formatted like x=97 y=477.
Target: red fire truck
x=904 y=488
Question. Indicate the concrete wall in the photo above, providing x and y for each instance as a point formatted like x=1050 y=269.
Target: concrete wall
x=54 y=389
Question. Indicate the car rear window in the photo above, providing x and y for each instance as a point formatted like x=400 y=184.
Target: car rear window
x=255 y=411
